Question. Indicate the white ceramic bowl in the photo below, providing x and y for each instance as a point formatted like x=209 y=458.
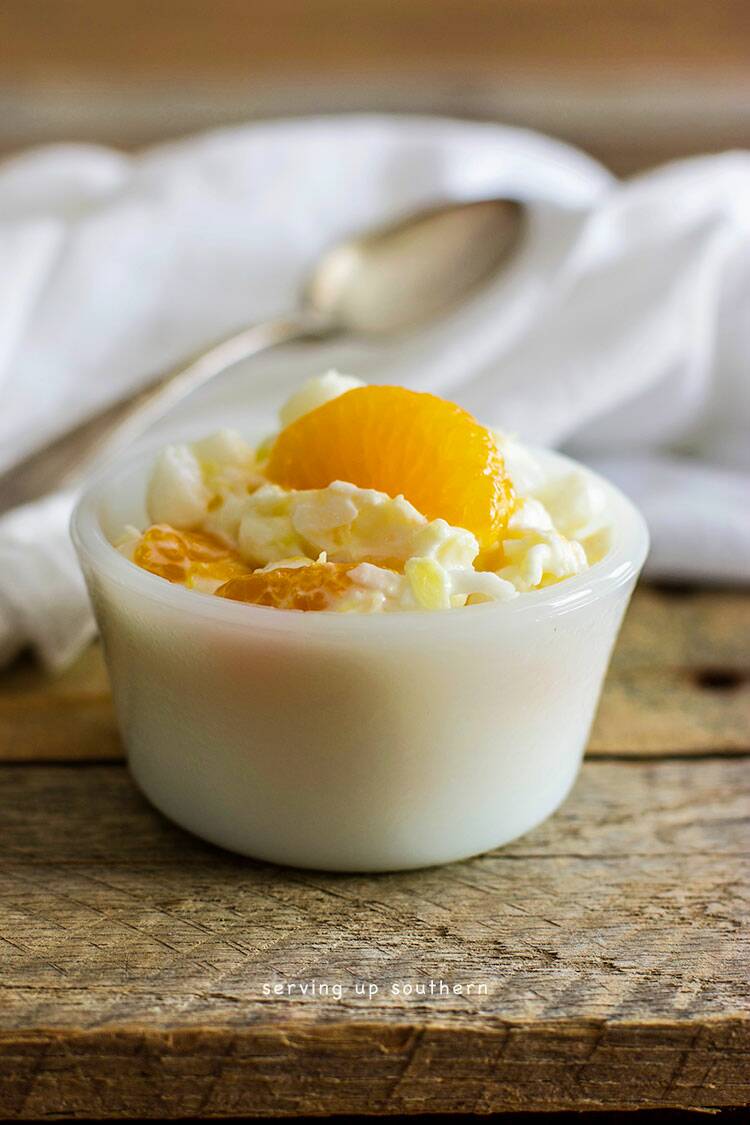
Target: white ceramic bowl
x=348 y=742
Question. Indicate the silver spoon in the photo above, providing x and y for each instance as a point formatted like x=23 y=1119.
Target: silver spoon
x=379 y=283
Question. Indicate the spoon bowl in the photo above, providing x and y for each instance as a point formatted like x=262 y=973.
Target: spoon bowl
x=403 y=274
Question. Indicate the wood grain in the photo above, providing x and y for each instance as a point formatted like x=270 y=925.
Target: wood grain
x=612 y=941
x=188 y=37
x=69 y=717
x=680 y=676
x=610 y=948
x=679 y=683
x=634 y=83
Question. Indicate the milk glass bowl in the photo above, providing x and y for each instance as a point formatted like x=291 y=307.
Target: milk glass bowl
x=352 y=742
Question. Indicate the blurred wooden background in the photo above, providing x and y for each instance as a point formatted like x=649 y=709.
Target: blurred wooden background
x=632 y=81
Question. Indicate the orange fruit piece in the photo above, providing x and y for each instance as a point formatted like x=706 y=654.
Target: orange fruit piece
x=181 y=556
x=400 y=442
x=314 y=587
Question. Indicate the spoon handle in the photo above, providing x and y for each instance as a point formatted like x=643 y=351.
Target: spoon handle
x=147 y=407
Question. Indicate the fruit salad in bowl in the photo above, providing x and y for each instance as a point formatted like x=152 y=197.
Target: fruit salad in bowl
x=370 y=499
x=374 y=639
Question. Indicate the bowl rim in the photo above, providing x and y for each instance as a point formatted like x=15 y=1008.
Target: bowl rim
x=619 y=566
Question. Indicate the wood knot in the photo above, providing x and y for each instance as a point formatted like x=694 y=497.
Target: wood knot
x=718 y=679
x=675 y=590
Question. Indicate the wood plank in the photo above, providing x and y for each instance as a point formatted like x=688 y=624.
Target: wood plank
x=627 y=129
x=634 y=84
x=679 y=684
x=69 y=717
x=612 y=941
x=680 y=676
x=187 y=37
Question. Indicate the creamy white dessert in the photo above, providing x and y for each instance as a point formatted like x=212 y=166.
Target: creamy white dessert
x=322 y=740
x=369 y=551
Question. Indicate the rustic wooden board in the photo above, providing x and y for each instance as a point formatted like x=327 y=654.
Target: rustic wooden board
x=183 y=38
x=612 y=941
x=680 y=676
x=608 y=951
x=679 y=683
x=58 y=719
x=631 y=82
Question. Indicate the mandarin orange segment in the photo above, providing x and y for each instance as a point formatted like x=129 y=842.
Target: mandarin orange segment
x=314 y=587
x=400 y=442
x=182 y=556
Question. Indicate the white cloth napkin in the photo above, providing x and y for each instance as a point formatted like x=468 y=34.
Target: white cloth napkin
x=622 y=330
